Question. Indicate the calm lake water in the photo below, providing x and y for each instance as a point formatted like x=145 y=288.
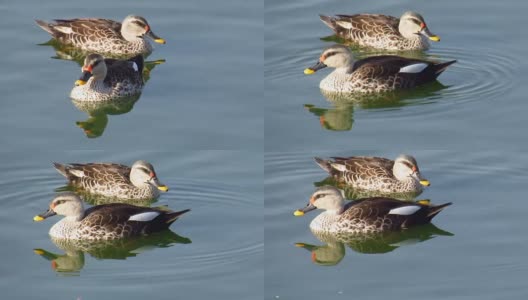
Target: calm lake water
x=471 y=123
x=198 y=121
x=227 y=116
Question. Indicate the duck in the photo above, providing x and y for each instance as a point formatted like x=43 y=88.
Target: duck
x=409 y=32
x=104 y=222
x=108 y=79
x=375 y=74
x=104 y=36
x=370 y=173
x=114 y=180
x=367 y=215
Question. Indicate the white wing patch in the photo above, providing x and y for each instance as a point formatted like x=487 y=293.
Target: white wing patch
x=63 y=29
x=344 y=24
x=338 y=167
x=405 y=210
x=144 y=217
x=134 y=65
x=414 y=68
x=77 y=173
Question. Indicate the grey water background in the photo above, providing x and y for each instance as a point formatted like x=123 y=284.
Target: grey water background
x=223 y=189
x=467 y=135
x=197 y=99
x=198 y=121
x=482 y=105
x=482 y=255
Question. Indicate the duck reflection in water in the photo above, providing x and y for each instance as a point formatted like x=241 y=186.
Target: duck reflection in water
x=340 y=117
x=73 y=260
x=333 y=250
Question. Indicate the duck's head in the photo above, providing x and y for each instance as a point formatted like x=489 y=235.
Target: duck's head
x=335 y=56
x=136 y=27
x=66 y=204
x=325 y=197
x=405 y=167
x=412 y=23
x=142 y=173
x=94 y=66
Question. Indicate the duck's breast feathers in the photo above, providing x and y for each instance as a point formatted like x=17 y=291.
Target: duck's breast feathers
x=363 y=25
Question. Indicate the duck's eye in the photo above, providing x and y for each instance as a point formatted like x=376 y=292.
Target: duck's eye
x=144 y=170
x=417 y=22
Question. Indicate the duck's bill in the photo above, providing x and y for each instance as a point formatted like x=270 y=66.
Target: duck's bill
x=43 y=216
x=155 y=182
x=433 y=37
x=163 y=188
x=318 y=66
x=84 y=78
x=156 y=38
x=425 y=182
x=302 y=211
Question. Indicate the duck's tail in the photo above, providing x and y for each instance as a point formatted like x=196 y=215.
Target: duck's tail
x=62 y=169
x=441 y=67
x=171 y=217
x=434 y=210
x=329 y=21
x=44 y=25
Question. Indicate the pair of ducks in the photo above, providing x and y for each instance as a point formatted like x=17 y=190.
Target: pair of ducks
x=108 y=221
x=106 y=79
x=376 y=74
x=370 y=215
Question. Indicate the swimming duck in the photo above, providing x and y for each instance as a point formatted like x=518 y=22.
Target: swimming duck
x=373 y=74
x=104 y=222
x=103 y=35
x=376 y=173
x=114 y=180
x=383 y=32
x=108 y=79
x=367 y=215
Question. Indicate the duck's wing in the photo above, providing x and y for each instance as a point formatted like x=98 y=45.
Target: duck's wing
x=100 y=172
x=365 y=165
x=82 y=30
x=360 y=26
x=405 y=72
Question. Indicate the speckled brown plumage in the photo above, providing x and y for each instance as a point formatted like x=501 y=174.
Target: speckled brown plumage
x=366 y=215
x=123 y=78
x=376 y=31
x=105 y=222
x=373 y=173
x=102 y=35
x=107 y=179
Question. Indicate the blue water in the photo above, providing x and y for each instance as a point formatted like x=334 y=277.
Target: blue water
x=198 y=121
x=465 y=131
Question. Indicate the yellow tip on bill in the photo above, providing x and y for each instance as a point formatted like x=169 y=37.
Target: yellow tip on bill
x=160 y=41
x=80 y=82
x=424 y=201
x=300 y=245
x=38 y=218
x=308 y=71
x=298 y=213
x=38 y=252
x=435 y=38
x=425 y=182
x=163 y=188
